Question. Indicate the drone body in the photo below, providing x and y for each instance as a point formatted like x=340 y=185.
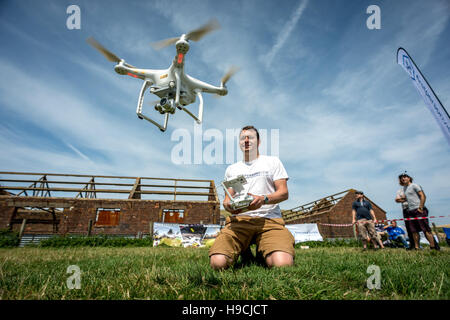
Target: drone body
x=173 y=86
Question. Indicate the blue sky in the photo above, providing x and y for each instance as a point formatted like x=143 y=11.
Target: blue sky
x=348 y=115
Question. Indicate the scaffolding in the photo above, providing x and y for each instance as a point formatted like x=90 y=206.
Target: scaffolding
x=322 y=205
x=75 y=203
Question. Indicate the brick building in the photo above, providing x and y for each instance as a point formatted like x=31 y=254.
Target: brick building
x=112 y=205
x=334 y=209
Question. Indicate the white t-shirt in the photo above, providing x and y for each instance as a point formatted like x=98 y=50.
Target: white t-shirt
x=401 y=193
x=260 y=175
x=412 y=195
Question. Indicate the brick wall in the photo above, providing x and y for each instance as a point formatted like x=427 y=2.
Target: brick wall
x=74 y=215
x=341 y=213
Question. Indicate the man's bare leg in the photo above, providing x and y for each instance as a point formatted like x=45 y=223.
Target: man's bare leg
x=220 y=261
x=416 y=240
x=279 y=259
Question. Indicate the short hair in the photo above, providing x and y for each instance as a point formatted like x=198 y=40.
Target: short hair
x=401 y=176
x=250 y=128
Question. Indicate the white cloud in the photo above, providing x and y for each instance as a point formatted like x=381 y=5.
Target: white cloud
x=285 y=33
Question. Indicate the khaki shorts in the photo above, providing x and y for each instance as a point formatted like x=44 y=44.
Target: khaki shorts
x=366 y=230
x=269 y=235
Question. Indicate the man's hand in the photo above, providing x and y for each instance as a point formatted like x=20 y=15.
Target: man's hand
x=257 y=202
x=227 y=207
x=420 y=209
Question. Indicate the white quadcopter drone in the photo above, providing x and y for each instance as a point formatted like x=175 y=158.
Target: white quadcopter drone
x=240 y=200
x=173 y=86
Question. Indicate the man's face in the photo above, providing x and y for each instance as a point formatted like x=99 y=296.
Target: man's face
x=394 y=224
x=248 y=141
x=405 y=180
x=359 y=196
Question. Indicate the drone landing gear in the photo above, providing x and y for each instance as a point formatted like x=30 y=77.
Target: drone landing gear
x=163 y=127
x=200 y=108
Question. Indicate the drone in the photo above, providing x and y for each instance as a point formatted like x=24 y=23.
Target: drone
x=174 y=88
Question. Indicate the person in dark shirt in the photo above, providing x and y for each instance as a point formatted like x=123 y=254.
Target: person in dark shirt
x=364 y=218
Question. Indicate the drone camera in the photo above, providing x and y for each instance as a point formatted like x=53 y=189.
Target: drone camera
x=165 y=106
x=164 y=102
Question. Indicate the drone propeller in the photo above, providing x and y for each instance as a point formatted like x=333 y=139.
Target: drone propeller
x=226 y=77
x=108 y=54
x=164 y=43
x=229 y=74
x=194 y=35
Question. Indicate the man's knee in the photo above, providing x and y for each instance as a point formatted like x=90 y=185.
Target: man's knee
x=279 y=259
x=219 y=261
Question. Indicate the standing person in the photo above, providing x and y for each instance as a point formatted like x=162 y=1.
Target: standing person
x=396 y=233
x=262 y=222
x=364 y=217
x=415 y=198
x=401 y=198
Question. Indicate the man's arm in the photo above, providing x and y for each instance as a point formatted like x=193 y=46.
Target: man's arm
x=423 y=198
x=399 y=199
x=372 y=213
x=226 y=201
x=353 y=216
x=281 y=193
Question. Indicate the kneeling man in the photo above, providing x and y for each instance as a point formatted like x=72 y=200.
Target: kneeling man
x=262 y=223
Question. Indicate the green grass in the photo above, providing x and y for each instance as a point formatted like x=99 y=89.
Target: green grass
x=183 y=273
x=8 y=238
x=93 y=241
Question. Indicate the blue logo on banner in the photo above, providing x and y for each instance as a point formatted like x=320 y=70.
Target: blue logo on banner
x=409 y=68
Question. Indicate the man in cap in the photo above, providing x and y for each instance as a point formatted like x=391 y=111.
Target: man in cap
x=415 y=198
x=364 y=218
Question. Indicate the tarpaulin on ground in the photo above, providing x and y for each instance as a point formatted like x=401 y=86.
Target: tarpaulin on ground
x=184 y=235
x=305 y=232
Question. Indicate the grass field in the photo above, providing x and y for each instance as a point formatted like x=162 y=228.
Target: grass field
x=183 y=273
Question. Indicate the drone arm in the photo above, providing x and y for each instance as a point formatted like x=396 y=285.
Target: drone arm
x=205 y=87
x=124 y=68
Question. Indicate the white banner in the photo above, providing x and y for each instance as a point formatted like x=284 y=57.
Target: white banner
x=304 y=232
x=427 y=93
x=184 y=235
